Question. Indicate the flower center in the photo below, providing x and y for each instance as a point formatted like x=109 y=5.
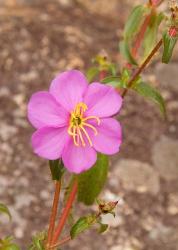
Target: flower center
x=77 y=125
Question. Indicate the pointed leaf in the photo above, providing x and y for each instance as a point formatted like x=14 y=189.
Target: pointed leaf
x=91 y=182
x=148 y=91
x=134 y=21
x=169 y=43
x=152 y=32
x=4 y=209
x=81 y=225
x=124 y=49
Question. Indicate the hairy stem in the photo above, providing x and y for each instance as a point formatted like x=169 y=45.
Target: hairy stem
x=65 y=212
x=142 y=67
x=53 y=213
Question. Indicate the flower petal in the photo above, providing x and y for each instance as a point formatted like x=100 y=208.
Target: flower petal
x=43 y=110
x=78 y=158
x=102 y=100
x=49 y=142
x=109 y=137
x=68 y=88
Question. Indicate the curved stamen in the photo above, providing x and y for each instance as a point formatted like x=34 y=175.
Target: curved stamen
x=77 y=125
x=87 y=136
x=92 y=117
x=74 y=137
x=80 y=136
x=90 y=126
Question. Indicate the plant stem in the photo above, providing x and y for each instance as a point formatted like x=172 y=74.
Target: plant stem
x=53 y=213
x=142 y=66
x=65 y=212
x=61 y=242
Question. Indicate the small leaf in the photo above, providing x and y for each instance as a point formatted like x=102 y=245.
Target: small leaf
x=57 y=169
x=169 y=43
x=124 y=49
x=91 y=182
x=114 y=81
x=112 y=68
x=38 y=241
x=134 y=21
x=4 y=209
x=152 y=32
x=91 y=73
x=103 y=228
x=81 y=225
x=148 y=91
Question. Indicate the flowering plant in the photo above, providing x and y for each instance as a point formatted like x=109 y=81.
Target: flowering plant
x=73 y=121
x=77 y=125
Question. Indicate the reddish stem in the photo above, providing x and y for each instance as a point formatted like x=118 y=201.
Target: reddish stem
x=141 y=68
x=65 y=212
x=53 y=213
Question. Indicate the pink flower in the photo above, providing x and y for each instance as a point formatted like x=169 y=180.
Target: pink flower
x=73 y=121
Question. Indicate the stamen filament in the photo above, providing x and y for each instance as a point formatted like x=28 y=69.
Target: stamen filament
x=78 y=123
x=92 y=117
x=87 y=136
x=80 y=136
x=90 y=126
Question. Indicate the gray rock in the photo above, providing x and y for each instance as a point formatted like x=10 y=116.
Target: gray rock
x=165 y=157
x=137 y=176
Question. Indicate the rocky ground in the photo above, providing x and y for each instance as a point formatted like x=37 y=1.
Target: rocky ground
x=41 y=38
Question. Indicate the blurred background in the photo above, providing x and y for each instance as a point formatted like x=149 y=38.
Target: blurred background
x=38 y=39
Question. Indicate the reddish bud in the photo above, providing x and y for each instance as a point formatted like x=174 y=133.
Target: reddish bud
x=173 y=32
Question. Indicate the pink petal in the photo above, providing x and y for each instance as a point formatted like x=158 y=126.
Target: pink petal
x=109 y=137
x=68 y=88
x=43 y=110
x=77 y=158
x=49 y=142
x=102 y=100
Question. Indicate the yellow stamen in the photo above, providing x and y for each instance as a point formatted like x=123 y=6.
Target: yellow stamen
x=92 y=117
x=91 y=126
x=80 y=136
x=87 y=136
x=78 y=123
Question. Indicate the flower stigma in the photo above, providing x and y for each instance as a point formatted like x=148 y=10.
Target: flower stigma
x=77 y=125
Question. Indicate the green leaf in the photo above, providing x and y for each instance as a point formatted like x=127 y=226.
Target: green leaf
x=114 y=81
x=57 y=169
x=113 y=69
x=152 y=32
x=124 y=49
x=102 y=228
x=148 y=91
x=134 y=21
x=4 y=209
x=169 y=44
x=82 y=224
x=91 y=73
x=38 y=241
x=91 y=182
